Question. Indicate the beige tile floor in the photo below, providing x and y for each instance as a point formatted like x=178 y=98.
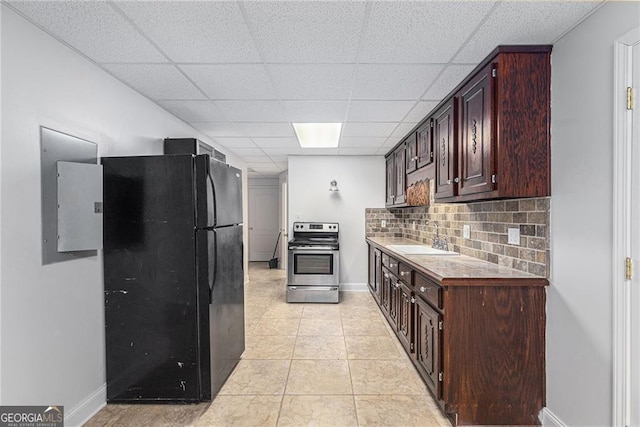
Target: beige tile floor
x=304 y=365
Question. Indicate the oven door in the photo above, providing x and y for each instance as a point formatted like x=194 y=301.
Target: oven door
x=309 y=266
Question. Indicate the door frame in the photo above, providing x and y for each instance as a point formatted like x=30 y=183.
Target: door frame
x=622 y=157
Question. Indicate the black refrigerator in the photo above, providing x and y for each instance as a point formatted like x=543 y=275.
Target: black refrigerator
x=173 y=277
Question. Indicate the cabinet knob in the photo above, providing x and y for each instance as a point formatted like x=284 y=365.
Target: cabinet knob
x=456 y=180
x=386 y=275
x=423 y=289
x=448 y=182
x=413 y=300
x=396 y=285
x=404 y=273
x=392 y=265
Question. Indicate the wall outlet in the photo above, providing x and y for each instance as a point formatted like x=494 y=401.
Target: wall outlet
x=466 y=231
x=413 y=225
x=513 y=236
x=383 y=223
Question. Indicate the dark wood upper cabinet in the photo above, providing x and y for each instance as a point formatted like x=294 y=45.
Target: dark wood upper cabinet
x=391 y=180
x=411 y=153
x=424 y=144
x=475 y=127
x=400 y=172
x=444 y=136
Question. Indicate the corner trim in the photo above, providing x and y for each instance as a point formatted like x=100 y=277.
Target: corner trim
x=86 y=409
x=549 y=419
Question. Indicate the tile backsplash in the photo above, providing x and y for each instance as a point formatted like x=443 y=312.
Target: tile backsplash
x=488 y=221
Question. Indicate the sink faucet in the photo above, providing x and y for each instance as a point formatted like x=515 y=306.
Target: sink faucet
x=439 y=243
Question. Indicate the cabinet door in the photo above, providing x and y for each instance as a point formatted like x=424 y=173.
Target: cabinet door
x=427 y=345
x=375 y=271
x=400 y=166
x=411 y=153
x=476 y=134
x=424 y=151
x=385 y=291
x=444 y=136
x=405 y=317
x=394 y=301
x=391 y=180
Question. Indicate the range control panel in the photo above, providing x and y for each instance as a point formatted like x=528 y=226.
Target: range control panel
x=322 y=227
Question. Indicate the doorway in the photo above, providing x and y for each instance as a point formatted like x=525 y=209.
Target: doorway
x=284 y=225
x=626 y=233
x=264 y=201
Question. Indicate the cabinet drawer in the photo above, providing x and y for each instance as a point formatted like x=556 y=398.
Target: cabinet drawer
x=428 y=290
x=390 y=262
x=405 y=274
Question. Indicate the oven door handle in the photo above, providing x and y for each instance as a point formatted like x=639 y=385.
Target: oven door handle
x=313 y=248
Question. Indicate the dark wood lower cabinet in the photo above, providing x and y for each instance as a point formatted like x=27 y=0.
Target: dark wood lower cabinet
x=479 y=345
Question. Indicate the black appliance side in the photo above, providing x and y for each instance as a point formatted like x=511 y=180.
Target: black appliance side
x=186 y=146
x=227 y=186
x=226 y=311
x=154 y=352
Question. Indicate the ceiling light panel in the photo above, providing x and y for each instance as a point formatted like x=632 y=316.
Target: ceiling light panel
x=318 y=135
x=94 y=28
x=378 y=111
x=195 y=31
x=307 y=32
x=392 y=81
x=253 y=111
x=315 y=111
x=520 y=22
x=232 y=81
x=317 y=81
x=157 y=81
x=379 y=130
x=431 y=32
x=448 y=80
x=194 y=110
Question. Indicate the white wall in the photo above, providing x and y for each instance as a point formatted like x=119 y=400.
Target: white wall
x=52 y=321
x=361 y=184
x=579 y=308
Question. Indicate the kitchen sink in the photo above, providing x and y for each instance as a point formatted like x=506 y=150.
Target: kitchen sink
x=420 y=250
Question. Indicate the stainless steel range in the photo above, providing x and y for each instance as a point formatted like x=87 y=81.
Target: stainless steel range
x=313 y=272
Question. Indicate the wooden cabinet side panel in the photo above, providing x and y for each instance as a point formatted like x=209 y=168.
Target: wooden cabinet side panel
x=494 y=354
x=523 y=127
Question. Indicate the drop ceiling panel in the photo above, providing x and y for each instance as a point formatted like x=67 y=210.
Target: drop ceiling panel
x=279 y=160
x=94 y=28
x=248 y=152
x=392 y=81
x=352 y=142
x=282 y=151
x=198 y=31
x=157 y=81
x=253 y=111
x=259 y=160
x=420 y=111
x=232 y=81
x=358 y=151
x=524 y=23
x=403 y=129
x=317 y=81
x=193 y=110
x=219 y=129
x=368 y=129
x=276 y=142
x=419 y=31
x=315 y=111
x=267 y=129
x=232 y=143
x=319 y=151
x=306 y=32
x=448 y=80
x=378 y=111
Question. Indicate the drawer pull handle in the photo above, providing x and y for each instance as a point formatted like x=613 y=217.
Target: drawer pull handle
x=404 y=273
x=423 y=289
x=392 y=265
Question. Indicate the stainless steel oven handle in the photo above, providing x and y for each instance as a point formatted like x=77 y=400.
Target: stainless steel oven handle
x=313 y=248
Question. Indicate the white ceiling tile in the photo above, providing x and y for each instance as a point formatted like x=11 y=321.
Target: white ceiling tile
x=248 y=151
x=315 y=111
x=319 y=151
x=190 y=111
x=94 y=28
x=282 y=151
x=219 y=129
x=266 y=168
x=259 y=160
x=195 y=31
x=524 y=22
x=157 y=81
x=368 y=129
x=267 y=130
x=448 y=80
x=403 y=129
x=393 y=81
x=282 y=165
x=307 y=32
x=351 y=142
x=317 y=81
x=419 y=31
x=358 y=151
x=279 y=159
x=277 y=142
x=376 y=111
x=232 y=81
x=252 y=111
x=420 y=111
x=232 y=143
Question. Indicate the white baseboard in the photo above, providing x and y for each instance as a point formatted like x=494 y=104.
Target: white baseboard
x=83 y=412
x=549 y=419
x=350 y=287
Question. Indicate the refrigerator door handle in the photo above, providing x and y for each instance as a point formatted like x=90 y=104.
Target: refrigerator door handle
x=211 y=204
x=212 y=277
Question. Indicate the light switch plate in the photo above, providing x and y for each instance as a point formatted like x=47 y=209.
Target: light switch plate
x=383 y=223
x=466 y=231
x=513 y=236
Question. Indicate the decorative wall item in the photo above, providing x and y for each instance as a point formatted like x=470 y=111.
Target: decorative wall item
x=418 y=194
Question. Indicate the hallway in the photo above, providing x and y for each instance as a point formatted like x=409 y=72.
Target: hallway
x=304 y=364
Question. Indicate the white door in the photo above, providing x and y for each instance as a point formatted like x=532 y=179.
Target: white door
x=284 y=226
x=263 y=222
